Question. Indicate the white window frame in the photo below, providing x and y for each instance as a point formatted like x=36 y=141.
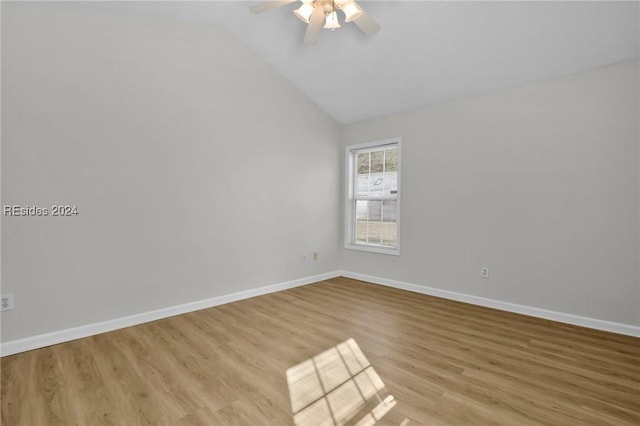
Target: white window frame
x=350 y=200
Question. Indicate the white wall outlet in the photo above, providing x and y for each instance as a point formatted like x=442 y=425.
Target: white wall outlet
x=484 y=272
x=303 y=258
x=315 y=255
x=6 y=302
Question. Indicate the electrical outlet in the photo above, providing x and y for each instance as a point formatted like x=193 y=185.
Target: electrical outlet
x=484 y=272
x=6 y=302
x=315 y=255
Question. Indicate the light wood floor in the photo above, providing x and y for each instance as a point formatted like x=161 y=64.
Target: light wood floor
x=444 y=363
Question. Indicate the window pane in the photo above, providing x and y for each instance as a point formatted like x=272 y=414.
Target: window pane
x=389 y=232
x=391 y=160
x=389 y=225
x=374 y=211
x=390 y=184
x=389 y=210
x=361 y=231
x=374 y=235
x=361 y=210
x=362 y=184
x=363 y=173
x=363 y=163
x=377 y=162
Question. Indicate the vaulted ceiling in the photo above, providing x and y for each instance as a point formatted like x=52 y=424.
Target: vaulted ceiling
x=427 y=52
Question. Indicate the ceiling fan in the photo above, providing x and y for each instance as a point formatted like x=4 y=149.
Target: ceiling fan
x=317 y=12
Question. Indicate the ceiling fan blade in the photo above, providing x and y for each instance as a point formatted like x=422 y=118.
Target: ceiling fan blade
x=268 y=5
x=367 y=24
x=315 y=26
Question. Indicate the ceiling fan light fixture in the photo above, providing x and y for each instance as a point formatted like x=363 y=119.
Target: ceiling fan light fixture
x=304 y=12
x=351 y=10
x=323 y=13
x=332 y=21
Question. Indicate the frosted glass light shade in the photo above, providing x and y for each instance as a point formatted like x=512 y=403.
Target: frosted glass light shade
x=304 y=12
x=332 y=21
x=351 y=11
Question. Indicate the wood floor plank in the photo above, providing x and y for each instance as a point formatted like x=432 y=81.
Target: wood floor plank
x=444 y=362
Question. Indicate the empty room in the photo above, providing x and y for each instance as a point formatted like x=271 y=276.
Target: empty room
x=320 y=212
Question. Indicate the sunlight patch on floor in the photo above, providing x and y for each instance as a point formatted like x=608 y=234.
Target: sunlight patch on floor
x=338 y=387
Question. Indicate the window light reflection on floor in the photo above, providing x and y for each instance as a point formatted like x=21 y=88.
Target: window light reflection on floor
x=338 y=387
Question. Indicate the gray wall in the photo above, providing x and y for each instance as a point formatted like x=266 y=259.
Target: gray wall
x=153 y=129
x=156 y=131
x=539 y=183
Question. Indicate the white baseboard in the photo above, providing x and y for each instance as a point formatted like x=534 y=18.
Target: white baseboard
x=61 y=336
x=613 y=327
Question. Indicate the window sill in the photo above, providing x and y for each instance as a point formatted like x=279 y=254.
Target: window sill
x=373 y=249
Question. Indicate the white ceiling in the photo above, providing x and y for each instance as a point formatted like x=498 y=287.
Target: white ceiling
x=427 y=52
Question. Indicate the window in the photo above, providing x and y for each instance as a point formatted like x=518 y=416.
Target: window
x=373 y=197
